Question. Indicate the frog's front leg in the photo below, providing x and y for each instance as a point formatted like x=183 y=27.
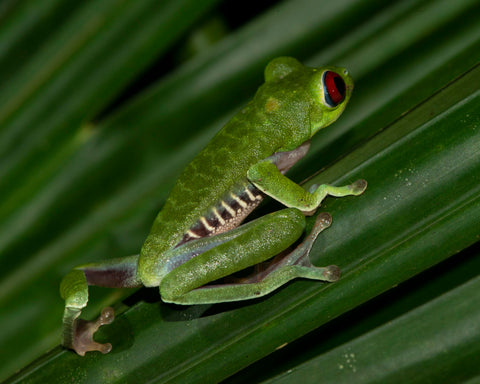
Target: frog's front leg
x=283 y=268
x=270 y=180
x=78 y=333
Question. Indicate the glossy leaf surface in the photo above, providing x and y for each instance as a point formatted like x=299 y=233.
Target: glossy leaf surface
x=86 y=181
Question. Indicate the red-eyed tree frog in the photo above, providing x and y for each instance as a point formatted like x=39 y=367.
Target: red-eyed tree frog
x=197 y=237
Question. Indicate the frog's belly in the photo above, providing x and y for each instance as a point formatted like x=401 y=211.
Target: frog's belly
x=227 y=214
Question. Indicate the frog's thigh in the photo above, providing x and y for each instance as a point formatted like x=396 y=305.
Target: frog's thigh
x=283 y=268
x=265 y=238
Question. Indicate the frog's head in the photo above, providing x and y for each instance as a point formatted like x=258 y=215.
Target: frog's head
x=331 y=89
x=327 y=90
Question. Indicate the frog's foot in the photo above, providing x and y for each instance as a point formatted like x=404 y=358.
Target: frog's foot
x=300 y=256
x=116 y=273
x=83 y=331
x=299 y=259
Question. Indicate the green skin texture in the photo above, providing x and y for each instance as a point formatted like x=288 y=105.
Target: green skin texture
x=287 y=110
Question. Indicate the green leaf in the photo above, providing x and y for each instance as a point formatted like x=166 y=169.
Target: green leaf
x=426 y=345
x=90 y=191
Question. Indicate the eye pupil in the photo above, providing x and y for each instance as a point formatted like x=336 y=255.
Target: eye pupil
x=334 y=88
x=340 y=86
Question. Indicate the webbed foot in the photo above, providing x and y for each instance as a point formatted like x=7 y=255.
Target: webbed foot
x=81 y=337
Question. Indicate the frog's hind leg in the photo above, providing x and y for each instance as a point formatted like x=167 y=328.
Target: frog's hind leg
x=116 y=273
x=299 y=259
x=282 y=268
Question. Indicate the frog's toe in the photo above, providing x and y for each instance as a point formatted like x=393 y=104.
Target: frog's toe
x=323 y=221
x=358 y=187
x=331 y=273
x=84 y=330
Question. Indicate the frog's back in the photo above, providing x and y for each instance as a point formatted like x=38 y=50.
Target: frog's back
x=204 y=193
x=212 y=194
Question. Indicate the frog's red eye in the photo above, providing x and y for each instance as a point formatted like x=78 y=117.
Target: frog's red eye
x=333 y=88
